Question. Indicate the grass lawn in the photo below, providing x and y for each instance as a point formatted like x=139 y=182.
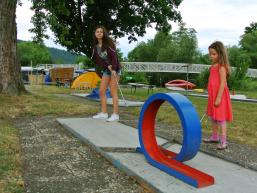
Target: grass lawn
x=10 y=165
x=243 y=129
x=45 y=101
x=42 y=101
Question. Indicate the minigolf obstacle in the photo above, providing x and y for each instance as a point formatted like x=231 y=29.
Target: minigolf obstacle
x=168 y=161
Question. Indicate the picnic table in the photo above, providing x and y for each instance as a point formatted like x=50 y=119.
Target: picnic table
x=141 y=85
x=63 y=82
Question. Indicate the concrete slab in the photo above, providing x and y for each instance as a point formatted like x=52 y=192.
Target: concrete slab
x=228 y=177
x=100 y=134
x=122 y=103
x=104 y=134
x=233 y=98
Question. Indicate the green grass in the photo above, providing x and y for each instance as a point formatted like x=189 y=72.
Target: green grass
x=248 y=94
x=44 y=100
x=243 y=129
x=10 y=162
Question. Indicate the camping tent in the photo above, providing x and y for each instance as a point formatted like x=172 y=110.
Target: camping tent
x=86 y=80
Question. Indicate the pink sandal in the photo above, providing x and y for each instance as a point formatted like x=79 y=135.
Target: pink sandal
x=223 y=145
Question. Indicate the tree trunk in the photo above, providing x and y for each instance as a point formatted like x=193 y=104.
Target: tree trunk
x=10 y=71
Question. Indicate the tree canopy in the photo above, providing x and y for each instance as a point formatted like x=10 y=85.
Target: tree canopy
x=178 y=46
x=248 y=43
x=74 y=21
x=30 y=51
x=251 y=28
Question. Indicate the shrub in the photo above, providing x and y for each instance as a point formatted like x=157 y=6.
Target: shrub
x=202 y=79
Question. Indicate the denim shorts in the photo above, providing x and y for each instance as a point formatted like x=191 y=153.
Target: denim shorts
x=109 y=73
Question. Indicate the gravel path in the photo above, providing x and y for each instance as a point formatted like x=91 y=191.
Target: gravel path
x=54 y=161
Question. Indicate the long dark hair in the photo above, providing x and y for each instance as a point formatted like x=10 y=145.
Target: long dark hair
x=222 y=53
x=107 y=40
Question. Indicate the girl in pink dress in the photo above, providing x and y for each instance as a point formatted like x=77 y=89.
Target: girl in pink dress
x=219 y=104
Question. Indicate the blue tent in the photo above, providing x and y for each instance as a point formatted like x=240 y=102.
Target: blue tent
x=48 y=78
x=95 y=94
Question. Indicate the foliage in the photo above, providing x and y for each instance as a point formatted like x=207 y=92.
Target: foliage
x=139 y=77
x=73 y=22
x=30 y=51
x=239 y=59
x=61 y=56
x=251 y=28
x=250 y=84
x=120 y=55
x=87 y=62
x=248 y=43
x=200 y=58
x=184 y=43
x=40 y=26
x=179 y=46
x=143 y=52
x=202 y=79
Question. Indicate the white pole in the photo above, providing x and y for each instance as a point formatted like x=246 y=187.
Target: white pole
x=120 y=91
x=31 y=72
x=203 y=117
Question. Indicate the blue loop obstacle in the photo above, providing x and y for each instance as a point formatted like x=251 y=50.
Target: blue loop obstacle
x=166 y=160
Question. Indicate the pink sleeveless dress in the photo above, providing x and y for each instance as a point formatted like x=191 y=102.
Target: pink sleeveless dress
x=223 y=112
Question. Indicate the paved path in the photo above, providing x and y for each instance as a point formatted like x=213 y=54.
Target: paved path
x=107 y=138
x=122 y=103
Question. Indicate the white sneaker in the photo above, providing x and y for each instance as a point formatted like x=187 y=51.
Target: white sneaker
x=113 y=117
x=100 y=116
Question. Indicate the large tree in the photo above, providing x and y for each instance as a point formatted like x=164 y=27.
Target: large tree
x=38 y=20
x=251 y=28
x=179 y=46
x=10 y=72
x=248 y=43
x=73 y=21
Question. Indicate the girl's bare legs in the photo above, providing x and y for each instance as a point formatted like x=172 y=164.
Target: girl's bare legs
x=215 y=130
x=114 y=93
x=224 y=130
x=102 y=92
x=214 y=138
x=223 y=142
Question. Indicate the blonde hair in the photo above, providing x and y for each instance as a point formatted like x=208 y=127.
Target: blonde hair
x=222 y=53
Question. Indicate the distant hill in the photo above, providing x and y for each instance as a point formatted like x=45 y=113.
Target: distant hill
x=60 y=56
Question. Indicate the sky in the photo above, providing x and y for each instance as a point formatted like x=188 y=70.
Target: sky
x=223 y=20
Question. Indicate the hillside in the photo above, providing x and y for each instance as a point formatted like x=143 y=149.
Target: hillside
x=60 y=56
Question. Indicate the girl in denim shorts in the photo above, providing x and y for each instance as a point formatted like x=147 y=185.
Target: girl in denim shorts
x=105 y=55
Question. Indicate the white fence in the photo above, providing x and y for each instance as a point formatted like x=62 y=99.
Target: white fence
x=171 y=67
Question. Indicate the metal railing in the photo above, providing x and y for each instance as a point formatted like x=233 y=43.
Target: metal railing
x=171 y=67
